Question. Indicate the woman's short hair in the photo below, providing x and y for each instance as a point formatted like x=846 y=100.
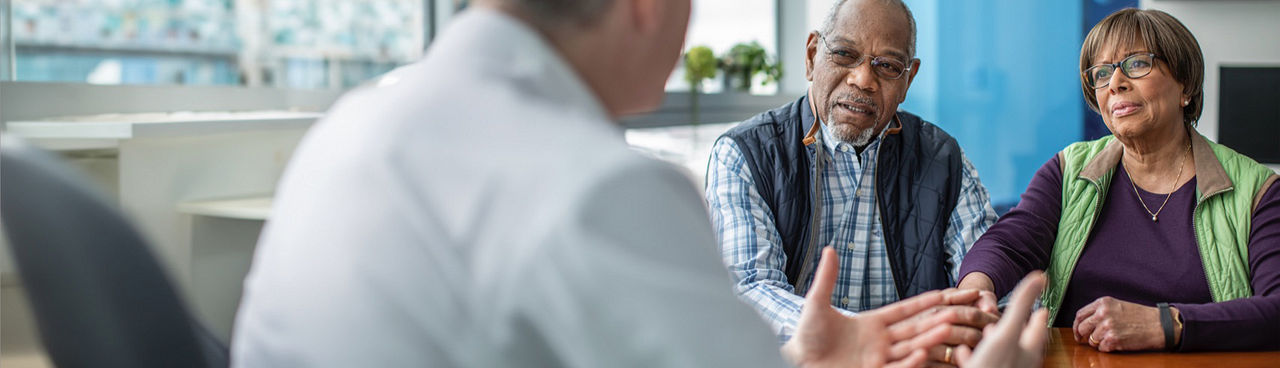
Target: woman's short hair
x=1163 y=35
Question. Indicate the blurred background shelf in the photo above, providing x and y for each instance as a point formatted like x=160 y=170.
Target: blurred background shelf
x=240 y=208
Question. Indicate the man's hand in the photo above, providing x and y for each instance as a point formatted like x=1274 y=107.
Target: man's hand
x=1110 y=324
x=1015 y=342
x=827 y=338
x=961 y=319
x=966 y=311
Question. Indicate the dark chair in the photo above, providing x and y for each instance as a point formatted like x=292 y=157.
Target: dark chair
x=99 y=296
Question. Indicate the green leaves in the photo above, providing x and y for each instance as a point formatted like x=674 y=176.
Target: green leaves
x=745 y=60
x=699 y=64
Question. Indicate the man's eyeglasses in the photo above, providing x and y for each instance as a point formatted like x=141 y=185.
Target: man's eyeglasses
x=1133 y=67
x=884 y=67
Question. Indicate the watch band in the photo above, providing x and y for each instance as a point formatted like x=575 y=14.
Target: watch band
x=1166 y=323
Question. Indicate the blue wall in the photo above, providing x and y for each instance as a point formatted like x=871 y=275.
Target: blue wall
x=1001 y=76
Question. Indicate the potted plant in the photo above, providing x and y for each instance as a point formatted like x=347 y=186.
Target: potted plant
x=699 y=64
x=743 y=62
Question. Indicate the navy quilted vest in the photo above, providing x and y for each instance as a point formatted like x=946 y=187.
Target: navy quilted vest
x=917 y=185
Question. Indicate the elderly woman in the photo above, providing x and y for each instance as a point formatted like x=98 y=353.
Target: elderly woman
x=1153 y=237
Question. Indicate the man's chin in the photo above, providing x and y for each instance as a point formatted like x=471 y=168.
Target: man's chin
x=852 y=127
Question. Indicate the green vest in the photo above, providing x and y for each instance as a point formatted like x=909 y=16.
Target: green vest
x=1228 y=186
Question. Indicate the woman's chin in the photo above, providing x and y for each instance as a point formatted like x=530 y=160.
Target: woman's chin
x=1129 y=127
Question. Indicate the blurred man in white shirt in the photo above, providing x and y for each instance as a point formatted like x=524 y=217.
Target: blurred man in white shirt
x=480 y=208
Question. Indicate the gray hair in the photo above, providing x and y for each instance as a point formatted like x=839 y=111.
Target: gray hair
x=829 y=24
x=563 y=12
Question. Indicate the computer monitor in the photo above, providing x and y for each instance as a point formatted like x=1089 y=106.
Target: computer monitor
x=1249 y=111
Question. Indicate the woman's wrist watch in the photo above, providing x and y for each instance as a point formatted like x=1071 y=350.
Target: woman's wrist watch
x=1171 y=323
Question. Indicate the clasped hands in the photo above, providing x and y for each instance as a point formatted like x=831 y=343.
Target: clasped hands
x=936 y=328
x=1111 y=324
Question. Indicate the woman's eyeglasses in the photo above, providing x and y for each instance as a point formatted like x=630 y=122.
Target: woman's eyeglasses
x=1133 y=67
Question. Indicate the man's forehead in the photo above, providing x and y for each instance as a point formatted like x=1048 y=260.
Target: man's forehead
x=863 y=22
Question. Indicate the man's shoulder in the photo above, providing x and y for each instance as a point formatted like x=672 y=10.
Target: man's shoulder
x=928 y=131
x=770 y=123
x=932 y=138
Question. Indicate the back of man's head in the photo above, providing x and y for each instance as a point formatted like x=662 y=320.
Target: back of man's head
x=559 y=13
x=623 y=49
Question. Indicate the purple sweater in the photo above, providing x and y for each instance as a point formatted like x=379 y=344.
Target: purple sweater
x=1131 y=258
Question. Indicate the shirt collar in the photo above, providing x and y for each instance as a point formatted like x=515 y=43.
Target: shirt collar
x=833 y=144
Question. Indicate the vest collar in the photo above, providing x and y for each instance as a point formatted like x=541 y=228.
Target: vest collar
x=1211 y=178
x=808 y=118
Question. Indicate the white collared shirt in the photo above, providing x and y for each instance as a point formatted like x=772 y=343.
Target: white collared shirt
x=479 y=208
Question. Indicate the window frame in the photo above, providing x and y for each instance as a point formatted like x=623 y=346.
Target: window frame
x=36 y=100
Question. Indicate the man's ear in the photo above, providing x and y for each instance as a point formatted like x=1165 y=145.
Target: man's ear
x=810 y=52
x=911 y=77
x=645 y=14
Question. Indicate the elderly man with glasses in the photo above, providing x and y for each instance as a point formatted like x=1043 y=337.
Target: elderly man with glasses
x=841 y=167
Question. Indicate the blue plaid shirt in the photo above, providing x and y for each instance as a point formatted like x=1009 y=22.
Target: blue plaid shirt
x=752 y=247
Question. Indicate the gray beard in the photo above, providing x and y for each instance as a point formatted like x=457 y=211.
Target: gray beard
x=851 y=135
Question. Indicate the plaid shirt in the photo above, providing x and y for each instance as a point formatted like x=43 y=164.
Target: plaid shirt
x=752 y=247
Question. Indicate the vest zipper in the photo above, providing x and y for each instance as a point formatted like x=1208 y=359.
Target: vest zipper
x=893 y=271
x=814 y=245
x=1097 y=209
x=1195 y=231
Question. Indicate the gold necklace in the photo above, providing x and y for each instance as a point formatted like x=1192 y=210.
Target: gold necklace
x=1155 y=215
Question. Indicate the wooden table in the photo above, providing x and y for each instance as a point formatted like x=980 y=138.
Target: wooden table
x=1064 y=351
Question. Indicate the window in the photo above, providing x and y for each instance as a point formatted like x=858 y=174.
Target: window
x=720 y=24
x=278 y=43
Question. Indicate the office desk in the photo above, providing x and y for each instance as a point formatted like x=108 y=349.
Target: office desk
x=1064 y=351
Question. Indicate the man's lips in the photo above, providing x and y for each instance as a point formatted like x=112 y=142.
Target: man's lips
x=854 y=107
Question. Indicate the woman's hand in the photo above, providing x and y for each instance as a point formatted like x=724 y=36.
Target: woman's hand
x=986 y=291
x=1110 y=324
x=1018 y=339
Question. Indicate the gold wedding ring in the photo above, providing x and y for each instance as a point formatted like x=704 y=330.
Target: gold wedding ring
x=946 y=357
x=1092 y=341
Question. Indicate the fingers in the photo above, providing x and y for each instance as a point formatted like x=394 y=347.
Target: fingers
x=960 y=296
x=963 y=315
x=911 y=327
x=987 y=302
x=900 y=310
x=1024 y=297
x=1014 y=323
x=1086 y=327
x=963 y=353
x=963 y=336
x=933 y=337
x=938 y=355
x=1082 y=315
x=1035 y=334
x=916 y=359
x=962 y=323
x=824 y=280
